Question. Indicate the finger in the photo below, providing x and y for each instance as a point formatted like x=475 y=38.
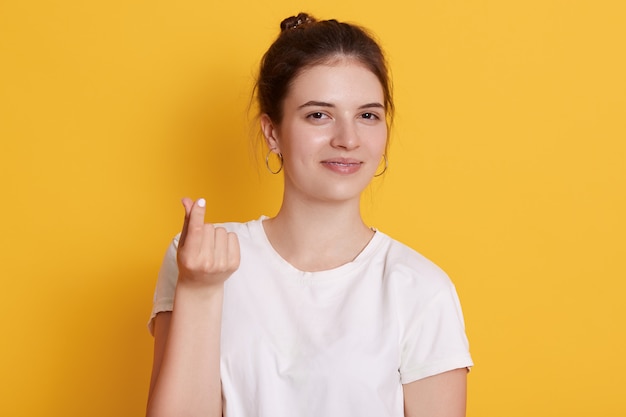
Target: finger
x=195 y=224
x=187 y=204
x=208 y=242
x=220 y=251
x=233 y=250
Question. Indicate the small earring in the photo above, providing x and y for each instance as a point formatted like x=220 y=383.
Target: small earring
x=267 y=161
x=385 y=169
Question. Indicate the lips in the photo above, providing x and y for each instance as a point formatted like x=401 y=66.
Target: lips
x=342 y=165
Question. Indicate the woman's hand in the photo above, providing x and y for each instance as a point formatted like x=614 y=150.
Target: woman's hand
x=186 y=369
x=207 y=255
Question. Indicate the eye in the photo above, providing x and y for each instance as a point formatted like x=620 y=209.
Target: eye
x=316 y=115
x=370 y=116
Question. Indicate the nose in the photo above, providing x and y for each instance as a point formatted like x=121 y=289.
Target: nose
x=345 y=136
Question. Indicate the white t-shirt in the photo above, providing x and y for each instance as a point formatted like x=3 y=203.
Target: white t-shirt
x=339 y=342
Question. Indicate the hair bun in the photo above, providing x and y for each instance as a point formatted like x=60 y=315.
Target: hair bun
x=295 y=21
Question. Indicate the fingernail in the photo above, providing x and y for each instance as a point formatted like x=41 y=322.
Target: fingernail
x=201 y=202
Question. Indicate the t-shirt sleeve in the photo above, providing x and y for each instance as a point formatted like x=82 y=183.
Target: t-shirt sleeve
x=433 y=336
x=166 y=283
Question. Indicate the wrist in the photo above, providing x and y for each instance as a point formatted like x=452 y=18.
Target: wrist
x=189 y=289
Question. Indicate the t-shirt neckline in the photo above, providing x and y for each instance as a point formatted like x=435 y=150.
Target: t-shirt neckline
x=341 y=270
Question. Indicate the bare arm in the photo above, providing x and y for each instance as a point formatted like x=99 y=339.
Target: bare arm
x=161 y=330
x=442 y=395
x=186 y=369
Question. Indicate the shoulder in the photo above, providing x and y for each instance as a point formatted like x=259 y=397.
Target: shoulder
x=406 y=268
x=431 y=326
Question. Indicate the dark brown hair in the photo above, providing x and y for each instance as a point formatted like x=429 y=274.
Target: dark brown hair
x=305 y=42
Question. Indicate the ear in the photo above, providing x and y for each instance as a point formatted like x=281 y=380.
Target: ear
x=270 y=132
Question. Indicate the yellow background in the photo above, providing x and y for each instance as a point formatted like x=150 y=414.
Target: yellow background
x=507 y=168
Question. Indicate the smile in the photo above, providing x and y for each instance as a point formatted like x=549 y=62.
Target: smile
x=342 y=166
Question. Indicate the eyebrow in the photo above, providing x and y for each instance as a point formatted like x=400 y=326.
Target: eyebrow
x=314 y=103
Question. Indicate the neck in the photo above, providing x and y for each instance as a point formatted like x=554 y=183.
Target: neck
x=318 y=236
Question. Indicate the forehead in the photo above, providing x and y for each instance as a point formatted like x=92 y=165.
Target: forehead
x=343 y=80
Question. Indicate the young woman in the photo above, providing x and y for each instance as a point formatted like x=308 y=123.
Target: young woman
x=311 y=312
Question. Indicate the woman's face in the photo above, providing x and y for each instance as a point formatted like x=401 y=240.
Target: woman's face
x=333 y=132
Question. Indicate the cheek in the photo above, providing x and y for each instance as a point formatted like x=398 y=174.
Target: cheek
x=378 y=141
x=304 y=143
